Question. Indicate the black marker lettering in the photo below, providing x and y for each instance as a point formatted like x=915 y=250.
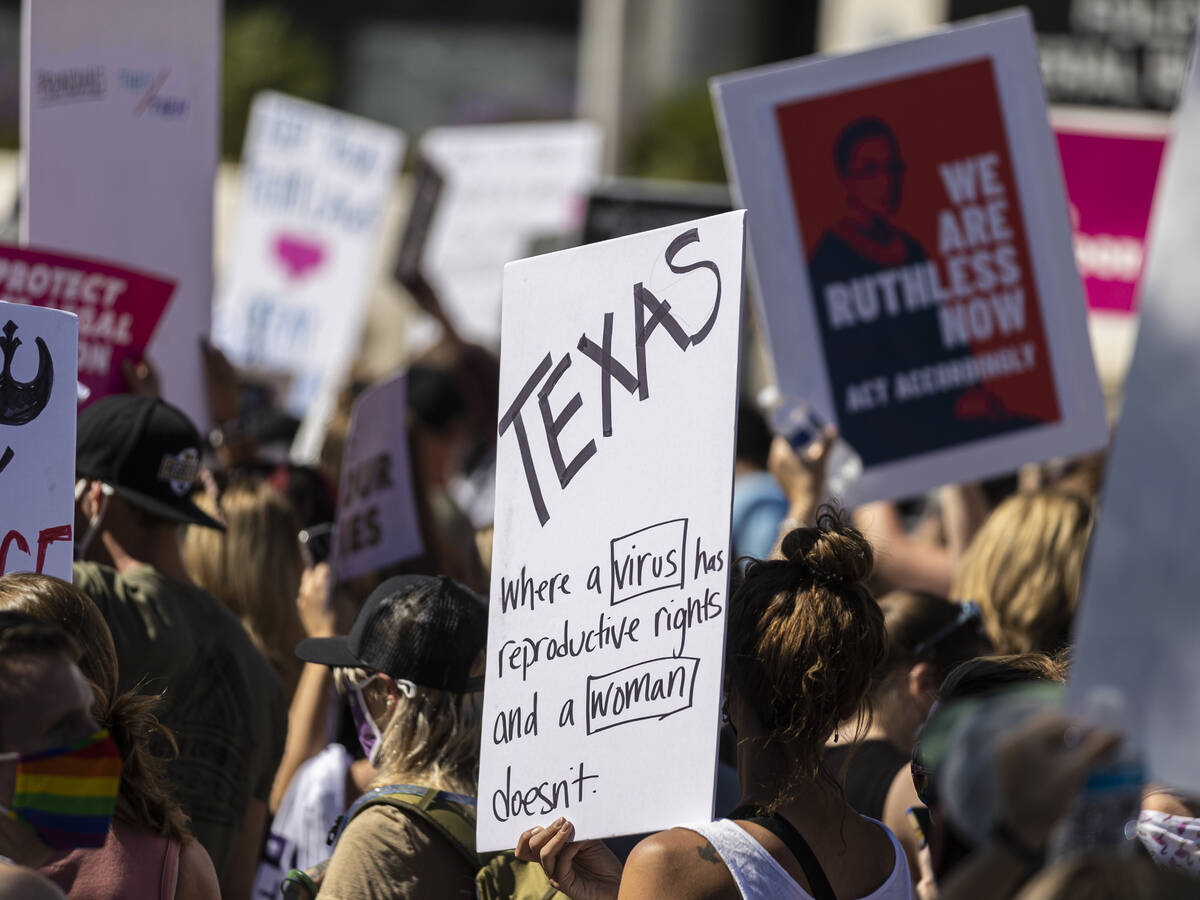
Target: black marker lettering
x=692 y=236
x=660 y=314
x=555 y=424
x=513 y=417
x=609 y=369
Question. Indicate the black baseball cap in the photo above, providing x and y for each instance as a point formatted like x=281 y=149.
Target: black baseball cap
x=418 y=628
x=147 y=451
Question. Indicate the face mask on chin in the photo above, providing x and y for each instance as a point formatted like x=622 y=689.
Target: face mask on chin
x=66 y=796
x=1173 y=841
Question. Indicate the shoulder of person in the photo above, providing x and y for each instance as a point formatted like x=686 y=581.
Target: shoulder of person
x=197 y=876
x=382 y=823
x=19 y=883
x=97 y=581
x=678 y=858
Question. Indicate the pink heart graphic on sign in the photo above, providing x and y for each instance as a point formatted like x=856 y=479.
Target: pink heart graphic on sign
x=299 y=256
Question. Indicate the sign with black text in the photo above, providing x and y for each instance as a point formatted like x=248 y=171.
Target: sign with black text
x=37 y=439
x=917 y=282
x=377 y=523
x=618 y=391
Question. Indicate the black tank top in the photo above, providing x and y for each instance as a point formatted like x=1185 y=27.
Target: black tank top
x=873 y=767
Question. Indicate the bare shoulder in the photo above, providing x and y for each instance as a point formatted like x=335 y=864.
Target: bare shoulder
x=678 y=863
x=197 y=878
x=18 y=883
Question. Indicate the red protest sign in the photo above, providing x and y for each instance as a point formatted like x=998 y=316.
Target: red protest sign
x=118 y=308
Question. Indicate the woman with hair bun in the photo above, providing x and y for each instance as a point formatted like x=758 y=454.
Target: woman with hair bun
x=150 y=853
x=804 y=638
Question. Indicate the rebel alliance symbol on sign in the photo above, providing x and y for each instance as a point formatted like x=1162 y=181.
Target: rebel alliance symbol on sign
x=22 y=401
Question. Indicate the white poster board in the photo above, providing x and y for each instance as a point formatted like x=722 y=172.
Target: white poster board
x=377 y=512
x=1138 y=628
x=37 y=439
x=913 y=254
x=119 y=125
x=503 y=186
x=315 y=185
x=610 y=571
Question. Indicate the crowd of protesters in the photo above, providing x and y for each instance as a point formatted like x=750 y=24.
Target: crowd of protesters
x=207 y=713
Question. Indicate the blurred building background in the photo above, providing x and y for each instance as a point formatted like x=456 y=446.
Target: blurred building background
x=637 y=67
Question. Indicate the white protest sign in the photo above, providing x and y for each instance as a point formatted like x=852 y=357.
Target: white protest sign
x=377 y=511
x=38 y=350
x=315 y=184
x=1138 y=628
x=503 y=186
x=913 y=253
x=120 y=137
x=618 y=389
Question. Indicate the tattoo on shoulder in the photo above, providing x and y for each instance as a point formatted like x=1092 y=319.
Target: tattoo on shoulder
x=709 y=853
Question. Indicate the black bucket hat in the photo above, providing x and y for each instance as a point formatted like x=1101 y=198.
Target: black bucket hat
x=147 y=451
x=417 y=628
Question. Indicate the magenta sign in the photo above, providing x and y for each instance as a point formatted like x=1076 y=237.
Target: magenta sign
x=1110 y=186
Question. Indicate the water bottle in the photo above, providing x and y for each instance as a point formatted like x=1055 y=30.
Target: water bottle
x=1105 y=814
x=799 y=424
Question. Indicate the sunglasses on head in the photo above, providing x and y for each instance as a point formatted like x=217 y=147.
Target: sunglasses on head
x=968 y=614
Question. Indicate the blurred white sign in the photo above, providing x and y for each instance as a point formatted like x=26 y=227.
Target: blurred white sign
x=315 y=184
x=503 y=187
x=1137 y=628
x=377 y=512
x=119 y=126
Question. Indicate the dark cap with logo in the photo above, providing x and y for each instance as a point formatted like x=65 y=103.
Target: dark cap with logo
x=417 y=628
x=147 y=451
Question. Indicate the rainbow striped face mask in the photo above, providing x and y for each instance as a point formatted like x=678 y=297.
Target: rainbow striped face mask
x=66 y=796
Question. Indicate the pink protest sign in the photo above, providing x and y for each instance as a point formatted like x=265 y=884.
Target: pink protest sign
x=118 y=308
x=1110 y=180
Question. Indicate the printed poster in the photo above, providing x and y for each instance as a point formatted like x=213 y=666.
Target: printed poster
x=610 y=570
x=118 y=309
x=916 y=272
x=37 y=439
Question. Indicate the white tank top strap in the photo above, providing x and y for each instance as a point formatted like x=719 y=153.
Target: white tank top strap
x=759 y=876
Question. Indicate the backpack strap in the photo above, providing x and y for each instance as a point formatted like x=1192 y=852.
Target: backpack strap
x=795 y=842
x=450 y=815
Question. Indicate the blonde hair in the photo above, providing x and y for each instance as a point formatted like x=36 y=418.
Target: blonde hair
x=1100 y=876
x=432 y=738
x=253 y=569
x=1023 y=569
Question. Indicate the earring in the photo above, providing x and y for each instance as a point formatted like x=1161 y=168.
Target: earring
x=390 y=701
x=836 y=735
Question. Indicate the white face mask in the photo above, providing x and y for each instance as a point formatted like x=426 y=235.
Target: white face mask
x=1173 y=841
x=370 y=736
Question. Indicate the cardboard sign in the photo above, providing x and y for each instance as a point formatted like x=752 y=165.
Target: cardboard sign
x=377 y=522
x=118 y=308
x=917 y=280
x=618 y=388
x=1137 y=627
x=502 y=186
x=119 y=131
x=315 y=185
x=37 y=439
x=1110 y=165
x=622 y=206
